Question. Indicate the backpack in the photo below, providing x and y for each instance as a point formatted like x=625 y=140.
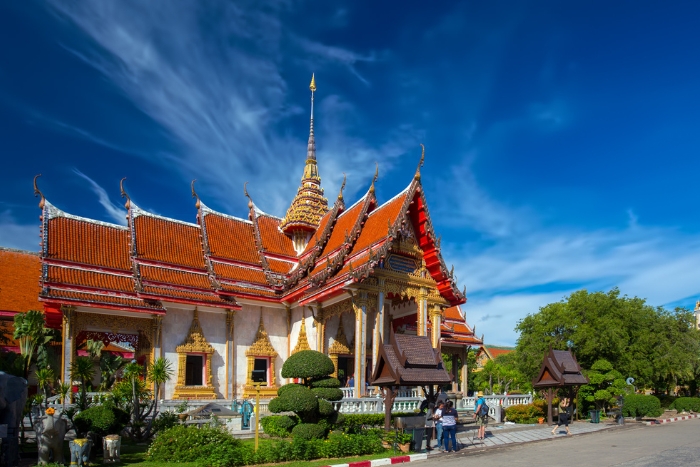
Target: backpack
x=483 y=409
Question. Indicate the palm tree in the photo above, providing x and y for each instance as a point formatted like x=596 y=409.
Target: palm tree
x=94 y=348
x=83 y=370
x=44 y=379
x=63 y=391
x=110 y=365
x=32 y=334
x=159 y=373
x=133 y=372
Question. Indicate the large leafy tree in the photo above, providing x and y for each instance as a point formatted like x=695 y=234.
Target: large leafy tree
x=655 y=346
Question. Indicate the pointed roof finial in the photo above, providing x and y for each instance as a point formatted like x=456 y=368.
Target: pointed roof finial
x=37 y=192
x=312 y=86
x=124 y=193
x=194 y=193
x=420 y=164
x=311 y=148
x=376 y=174
x=245 y=192
x=342 y=187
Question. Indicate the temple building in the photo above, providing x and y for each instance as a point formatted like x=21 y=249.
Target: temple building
x=227 y=299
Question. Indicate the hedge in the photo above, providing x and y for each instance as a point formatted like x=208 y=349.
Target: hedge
x=639 y=405
x=524 y=413
x=686 y=404
x=309 y=431
x=191 y=444
x=279 y=425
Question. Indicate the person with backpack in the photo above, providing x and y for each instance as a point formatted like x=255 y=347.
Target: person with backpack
x=481 y=415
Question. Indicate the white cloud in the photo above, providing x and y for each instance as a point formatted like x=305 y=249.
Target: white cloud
x=114 y=211
x=215 y=86
x=16 y=235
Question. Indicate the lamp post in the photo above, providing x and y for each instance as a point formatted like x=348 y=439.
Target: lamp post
x=257 y=413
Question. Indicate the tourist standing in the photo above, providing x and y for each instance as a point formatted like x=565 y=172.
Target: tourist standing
x=481 y=420
x=438 y=424
x=449 y=427
x=429 y=425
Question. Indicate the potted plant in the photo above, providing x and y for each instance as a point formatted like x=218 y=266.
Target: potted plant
x=398 y=438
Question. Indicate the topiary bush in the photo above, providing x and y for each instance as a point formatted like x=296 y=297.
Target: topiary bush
x=206 y=445
x=308 y=364
x=686 y=404
x=311 y=401
x=524 y=413
x=309 y=431
x=101 y=420
x=639 y=405
x=279 y=425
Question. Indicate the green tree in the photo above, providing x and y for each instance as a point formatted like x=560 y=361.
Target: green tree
x=82 y=369
x=655 y=346
x=110 y=365
x=159 y=373
x=33 y=336
x=605 y=385
x=94 y=348
x=45 y=379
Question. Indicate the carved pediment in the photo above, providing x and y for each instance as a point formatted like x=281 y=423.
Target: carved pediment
x=195 y=340
x=340 y=344
x=262 y=345
x=303 y=341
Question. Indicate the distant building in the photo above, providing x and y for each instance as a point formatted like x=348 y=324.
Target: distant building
x=490 y=352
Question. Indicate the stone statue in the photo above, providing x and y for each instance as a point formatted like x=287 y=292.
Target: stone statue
x=50 y=432
x=111 y=445
x=80 y=451
x=13 y=395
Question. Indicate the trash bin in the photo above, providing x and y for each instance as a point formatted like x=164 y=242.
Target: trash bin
x=595 y=416
x=417 y=435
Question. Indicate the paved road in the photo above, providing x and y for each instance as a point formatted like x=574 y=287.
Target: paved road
x=673 y=444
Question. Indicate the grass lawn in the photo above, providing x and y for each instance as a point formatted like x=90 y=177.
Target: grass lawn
x=136 y=454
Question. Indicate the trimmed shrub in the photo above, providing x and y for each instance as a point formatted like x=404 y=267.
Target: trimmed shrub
x=330 y=394
x=667 y=401
x=307 y=364
x=326 y=383
x=639 y=405
x=524 y=413
x=358 y=423
x=686 y=404
x=207 y=445
x=309 y=431
x=325 y=408
x=279 y=425
x=101 y=420
x=288 y=387
x=297 y=399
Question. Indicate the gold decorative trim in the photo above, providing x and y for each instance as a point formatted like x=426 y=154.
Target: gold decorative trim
x=194 y=343
x=340 y=343
x=261 y=347
x=302 y=341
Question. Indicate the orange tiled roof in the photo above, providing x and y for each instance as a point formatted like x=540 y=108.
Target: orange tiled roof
x=175 y=277
x=496 y=352
x=321 y=227
x=237 y=273
x=236 y=289
x=20 y=272
x=101 y=299
x=344 y=223
x=168 y=241
x=92 y=279
x=376 y=226
x=273 y=240
x=192 y=295
x=281 y=267
x=83 y=242
x=230 y=238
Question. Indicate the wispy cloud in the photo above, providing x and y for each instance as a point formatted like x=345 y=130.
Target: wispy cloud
x=113 y=210
x=222 y=99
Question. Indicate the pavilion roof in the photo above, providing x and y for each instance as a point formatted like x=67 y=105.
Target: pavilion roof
x=409 y=360
x=559 y=368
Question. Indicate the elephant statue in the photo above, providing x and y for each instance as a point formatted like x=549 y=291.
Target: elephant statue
x=50 y=432
x=111 y=445
x=13 y=395
x=80 y=451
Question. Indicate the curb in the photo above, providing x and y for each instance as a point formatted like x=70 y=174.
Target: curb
x=671 y=420
x=385 y=461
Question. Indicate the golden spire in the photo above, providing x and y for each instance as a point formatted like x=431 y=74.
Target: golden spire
x=304 y=214
x=376 y=175
x=420 y=163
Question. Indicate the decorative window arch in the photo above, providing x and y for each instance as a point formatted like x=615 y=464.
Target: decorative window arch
x=261 y=351
x=302 y=341
x=194 y=346
x=339 y=346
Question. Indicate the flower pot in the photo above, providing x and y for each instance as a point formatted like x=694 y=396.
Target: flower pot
x=386 y=445
x=405 y=447
x=540 y=420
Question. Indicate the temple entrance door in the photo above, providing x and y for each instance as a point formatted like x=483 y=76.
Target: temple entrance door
x=346 y=365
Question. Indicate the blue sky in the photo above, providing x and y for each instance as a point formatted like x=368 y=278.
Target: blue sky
x=561 y=137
